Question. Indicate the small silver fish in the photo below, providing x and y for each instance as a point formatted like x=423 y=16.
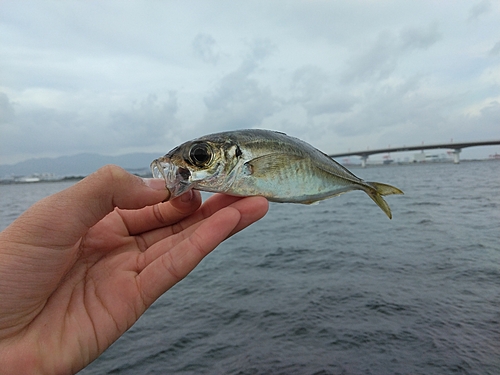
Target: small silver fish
x=261 y=162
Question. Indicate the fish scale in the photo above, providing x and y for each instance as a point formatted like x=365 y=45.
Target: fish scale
x=285 y=182
x=261 y=162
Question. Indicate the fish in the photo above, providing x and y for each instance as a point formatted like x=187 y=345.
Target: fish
x=261 y=162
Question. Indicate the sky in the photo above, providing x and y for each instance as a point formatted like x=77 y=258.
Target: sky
x=114 y=77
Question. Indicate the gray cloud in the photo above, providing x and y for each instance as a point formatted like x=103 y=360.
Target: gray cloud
x=6 y=109
x=377 y=62
x=495 y=50
x=419 y=38
x=381 y=59
x=112 y=77
x=205 y=47
x=240 y=101
x=313 y=89
x=40 y=129
x=484 y=122
x=309 y=82
x=479 y=9
x=144 y=122
x=389 y=106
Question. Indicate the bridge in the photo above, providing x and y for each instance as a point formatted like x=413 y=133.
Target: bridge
x=456 y=147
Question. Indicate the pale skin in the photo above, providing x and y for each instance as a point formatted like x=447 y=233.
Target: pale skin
x=78 y=268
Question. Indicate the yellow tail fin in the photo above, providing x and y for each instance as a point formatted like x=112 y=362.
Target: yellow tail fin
x=376 y=190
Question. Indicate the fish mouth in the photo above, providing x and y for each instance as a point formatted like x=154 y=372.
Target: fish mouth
x=176 y=178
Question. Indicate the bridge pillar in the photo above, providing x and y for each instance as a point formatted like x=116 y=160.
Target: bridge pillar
x=364 y=158
x=456 y=155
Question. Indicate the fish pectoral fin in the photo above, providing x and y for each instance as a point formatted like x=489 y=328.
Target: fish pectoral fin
x=268 y=164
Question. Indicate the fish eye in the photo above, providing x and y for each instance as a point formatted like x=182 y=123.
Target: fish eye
x=200 y=154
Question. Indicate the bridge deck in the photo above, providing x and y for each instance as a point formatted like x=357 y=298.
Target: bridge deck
x=453 y=146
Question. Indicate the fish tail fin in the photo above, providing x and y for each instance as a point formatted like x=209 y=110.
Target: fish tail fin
x=376 y=190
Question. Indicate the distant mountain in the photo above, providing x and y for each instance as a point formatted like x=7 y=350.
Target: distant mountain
x=77 y=165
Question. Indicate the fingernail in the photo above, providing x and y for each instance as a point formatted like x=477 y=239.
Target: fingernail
x=155 y=183
x=186 y=197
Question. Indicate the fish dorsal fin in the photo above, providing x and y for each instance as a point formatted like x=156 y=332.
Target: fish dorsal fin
x=269 y=164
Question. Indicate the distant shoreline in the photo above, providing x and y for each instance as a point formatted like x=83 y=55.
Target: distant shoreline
x=35 y=180
x=26 y=180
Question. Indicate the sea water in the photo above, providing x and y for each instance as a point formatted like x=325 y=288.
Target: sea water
x=333 y=288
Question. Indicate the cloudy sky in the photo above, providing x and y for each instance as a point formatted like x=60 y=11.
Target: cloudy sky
x=123 y=76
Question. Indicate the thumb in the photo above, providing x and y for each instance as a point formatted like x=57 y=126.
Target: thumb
x=68 y=215
x=109 y=187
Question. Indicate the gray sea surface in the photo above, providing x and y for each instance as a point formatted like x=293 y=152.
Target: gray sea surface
x=333 y=288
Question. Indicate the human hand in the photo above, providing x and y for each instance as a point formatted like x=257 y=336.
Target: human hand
x=81 y=266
